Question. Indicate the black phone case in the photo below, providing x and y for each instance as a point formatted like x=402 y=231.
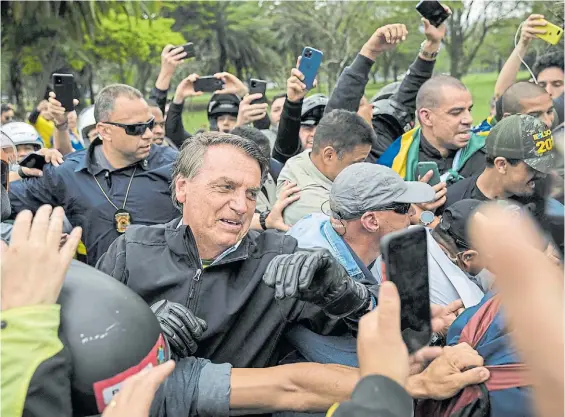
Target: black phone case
x=208 y=84
x=258 y=86
x=189 y=49
x=433 y=11
x=33 y=160
x=413 y=339
x=63 y=86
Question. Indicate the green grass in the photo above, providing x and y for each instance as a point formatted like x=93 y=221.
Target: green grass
x=480 y=85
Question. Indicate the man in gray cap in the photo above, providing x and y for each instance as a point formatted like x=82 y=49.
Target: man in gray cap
x=366 y=202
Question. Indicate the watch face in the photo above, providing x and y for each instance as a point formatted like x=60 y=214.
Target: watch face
x=427 y=217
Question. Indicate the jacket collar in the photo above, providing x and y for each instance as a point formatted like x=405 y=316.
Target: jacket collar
x=181 y=241
x=88 y=161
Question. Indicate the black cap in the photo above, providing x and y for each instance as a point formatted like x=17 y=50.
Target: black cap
x=454 y=221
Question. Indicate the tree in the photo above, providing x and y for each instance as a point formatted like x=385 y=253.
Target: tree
x=34 y=35
x=468 y=27
x=229 y=36
x=133 y=44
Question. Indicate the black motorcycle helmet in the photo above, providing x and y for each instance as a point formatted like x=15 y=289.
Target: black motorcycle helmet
x=111 y=334
x=221 y=104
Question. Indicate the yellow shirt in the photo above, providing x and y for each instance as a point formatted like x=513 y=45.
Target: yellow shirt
x=45 y=129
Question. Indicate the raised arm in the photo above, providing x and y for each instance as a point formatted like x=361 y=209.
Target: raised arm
x=351 y=84
x=509 y=71
x=174 y=127
x=287 y=143
x=171 y=58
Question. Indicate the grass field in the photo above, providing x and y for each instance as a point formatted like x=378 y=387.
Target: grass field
x=480 y=85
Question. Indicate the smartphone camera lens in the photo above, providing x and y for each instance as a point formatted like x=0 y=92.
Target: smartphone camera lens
x=253 y=84
x=58 y=80
x=308 y=53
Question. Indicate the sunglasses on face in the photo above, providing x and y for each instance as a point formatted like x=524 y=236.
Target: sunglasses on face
x=135 y=129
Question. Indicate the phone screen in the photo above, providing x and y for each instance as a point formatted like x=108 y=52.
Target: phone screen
x=406 y=262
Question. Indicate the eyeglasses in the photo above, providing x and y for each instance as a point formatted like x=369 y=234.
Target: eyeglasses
x=399 y=208
x=134 y=129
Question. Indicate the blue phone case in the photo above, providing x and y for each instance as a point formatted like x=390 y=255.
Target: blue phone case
x=309 y=65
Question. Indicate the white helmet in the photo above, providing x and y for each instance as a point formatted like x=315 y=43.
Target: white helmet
x=23 y=134
x=86 y=120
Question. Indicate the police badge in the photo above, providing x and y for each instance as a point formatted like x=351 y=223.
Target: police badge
x=122 y=219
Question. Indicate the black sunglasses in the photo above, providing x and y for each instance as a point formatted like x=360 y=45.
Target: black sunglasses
x=399 y=208
x=135 y=129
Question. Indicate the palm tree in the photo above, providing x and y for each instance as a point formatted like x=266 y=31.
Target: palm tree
x=42 y=28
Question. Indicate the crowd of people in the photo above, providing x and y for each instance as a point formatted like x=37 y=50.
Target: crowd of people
x=239 y=270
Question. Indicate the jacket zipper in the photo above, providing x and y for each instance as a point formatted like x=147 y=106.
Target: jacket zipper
x=195 y=279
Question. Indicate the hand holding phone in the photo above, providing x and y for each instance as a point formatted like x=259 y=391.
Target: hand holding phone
x=422 y=168
x=552 y=35
x=258 y=87
x=433 y=11
x=34 y=161
x=405 y=260
x=208 y=84
x=310 y=62
x=63 y=85
x=189 y=49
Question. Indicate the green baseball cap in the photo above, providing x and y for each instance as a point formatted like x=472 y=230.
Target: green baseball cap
x=523 y=137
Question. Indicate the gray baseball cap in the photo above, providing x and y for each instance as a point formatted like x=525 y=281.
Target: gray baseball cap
x=364 y=187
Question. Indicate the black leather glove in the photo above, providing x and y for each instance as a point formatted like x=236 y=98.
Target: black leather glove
x=315 y=276
x=180 y=326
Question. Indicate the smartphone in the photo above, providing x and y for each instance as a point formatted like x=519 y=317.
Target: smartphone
x=309 y=65
x=258 y=86
x=208 y=84
x=433 y=11
x=33 y=160
x=405 y=259
x=64 y=86
x=189 y=49
x=422 y=169
x=552 y=35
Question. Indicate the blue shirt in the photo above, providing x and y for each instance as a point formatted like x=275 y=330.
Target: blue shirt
x=73 y=187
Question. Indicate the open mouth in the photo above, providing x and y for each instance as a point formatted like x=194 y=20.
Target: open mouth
x=231 y=224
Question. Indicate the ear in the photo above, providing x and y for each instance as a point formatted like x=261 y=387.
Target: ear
x=425 y=117
x=103 y=132
x=180 y=189
x=506 y=114
x=329 y=154
x=501 y=164
x=370 y=222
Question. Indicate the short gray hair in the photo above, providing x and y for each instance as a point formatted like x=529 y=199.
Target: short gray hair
x=104 y=103
x=191 y=156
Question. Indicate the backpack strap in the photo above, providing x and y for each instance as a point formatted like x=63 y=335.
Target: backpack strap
x=477 y=326
x=501 y=376
x=508 y=376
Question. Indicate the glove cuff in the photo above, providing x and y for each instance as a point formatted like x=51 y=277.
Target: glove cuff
x=353 y=301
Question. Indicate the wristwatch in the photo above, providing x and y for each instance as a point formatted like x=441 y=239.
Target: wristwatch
x=429 y=55
x=263 y=218
x=426 y=218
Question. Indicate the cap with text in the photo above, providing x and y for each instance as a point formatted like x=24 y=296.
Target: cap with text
x=525 y=138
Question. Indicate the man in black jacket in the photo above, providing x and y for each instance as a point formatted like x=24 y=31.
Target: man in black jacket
x=211 y=264
x=398 y=117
